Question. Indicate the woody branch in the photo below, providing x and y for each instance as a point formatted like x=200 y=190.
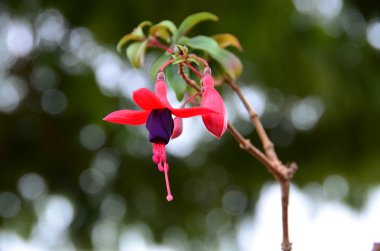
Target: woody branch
x=281 y=173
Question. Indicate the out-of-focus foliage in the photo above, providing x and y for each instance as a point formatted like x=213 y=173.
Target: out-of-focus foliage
x=166 y=36
x=311 y=68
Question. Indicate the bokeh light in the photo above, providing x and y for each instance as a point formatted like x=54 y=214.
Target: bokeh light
x=44 y=56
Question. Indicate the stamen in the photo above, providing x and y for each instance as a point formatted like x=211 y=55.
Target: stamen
x=159 y=154
x=169 y=197
x=159 y=157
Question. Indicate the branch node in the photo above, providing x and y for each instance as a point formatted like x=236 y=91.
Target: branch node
x=252 y=115
x=245 y=144
x=376 y=246
x=291 y=169
x=286 y=246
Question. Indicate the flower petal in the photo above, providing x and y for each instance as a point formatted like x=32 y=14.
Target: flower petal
x=160 y=125
x=178 y=127
x=207 y=81
x=127 y=117
x=215 y=123
x=146 y=99
x=191 y=112
x=161 y=92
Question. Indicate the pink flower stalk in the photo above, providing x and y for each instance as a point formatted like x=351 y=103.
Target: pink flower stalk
x=216 y=122
x=157 y=114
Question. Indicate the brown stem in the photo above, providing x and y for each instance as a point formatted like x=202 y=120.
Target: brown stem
x=186 y=78
x=285 y=245
x=246 y=145
x=376 y=246
x=281 y=173
x=267 y=143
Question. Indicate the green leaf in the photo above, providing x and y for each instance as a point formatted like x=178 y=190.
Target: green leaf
x=136 y=34
x=175 y=81
x=156 y=65
x=193 y=20
x=161 y=29
x=139 y=29
x=183 y=49
x=126 y=39
x=136 y=53
x=229 y=62
x=224 y=40
x=194 y=60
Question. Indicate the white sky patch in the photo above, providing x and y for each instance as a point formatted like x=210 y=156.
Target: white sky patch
x=327 y=228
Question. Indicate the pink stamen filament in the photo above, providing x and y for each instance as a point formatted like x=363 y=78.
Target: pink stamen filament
x=169 y=197
x=159 y=157
x=193 y=69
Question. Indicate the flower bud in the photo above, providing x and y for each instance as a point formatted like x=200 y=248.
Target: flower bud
x=216 y=123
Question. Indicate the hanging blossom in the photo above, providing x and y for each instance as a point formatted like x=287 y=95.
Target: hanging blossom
x=216 y=123
x=157 y=114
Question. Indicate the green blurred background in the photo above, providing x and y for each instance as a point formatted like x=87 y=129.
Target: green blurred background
x=314 y=67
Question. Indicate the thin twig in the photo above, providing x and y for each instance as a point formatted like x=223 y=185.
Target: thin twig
x=376 y=247
x=186 y=78
x=200 y=59
x=285 y=245
x=166 y=64
x=193 y=69
x=156 y=43
x=246 y=145
x=267 y=143
x=282 y=173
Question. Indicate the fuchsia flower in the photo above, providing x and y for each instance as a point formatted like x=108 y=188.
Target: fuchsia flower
x=157 y=114
x=216 y=122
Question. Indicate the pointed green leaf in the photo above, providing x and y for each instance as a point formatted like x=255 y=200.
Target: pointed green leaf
x=178 y=60
x=127 y=38
x=156 y=65
x=136 y=34
x=136 y=53
x=164 y=34
x=161 y=29
x=139 y=29
x=194 y=60
x=183 y=49
x=193 y=20
x=224 y=40
x=229 y=62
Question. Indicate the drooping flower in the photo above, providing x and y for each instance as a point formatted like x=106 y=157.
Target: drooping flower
x=216 y=122
x=157 y=114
